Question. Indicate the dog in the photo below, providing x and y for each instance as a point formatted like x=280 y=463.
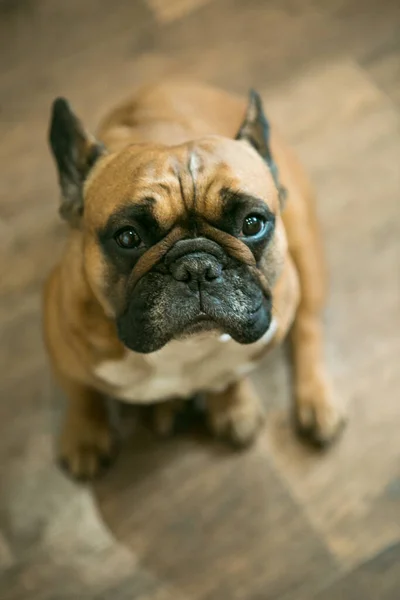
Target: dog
x=193 y=248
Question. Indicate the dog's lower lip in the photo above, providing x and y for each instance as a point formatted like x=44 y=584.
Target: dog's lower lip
x=200 y=325
x=202 y=317
x=202 y=320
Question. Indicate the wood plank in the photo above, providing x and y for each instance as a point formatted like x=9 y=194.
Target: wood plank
x=188 y=519
x=377 y=578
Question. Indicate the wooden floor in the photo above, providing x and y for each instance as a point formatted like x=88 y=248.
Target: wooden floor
x=188 y=519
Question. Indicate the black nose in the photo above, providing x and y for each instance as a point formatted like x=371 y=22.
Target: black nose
x=196 y=267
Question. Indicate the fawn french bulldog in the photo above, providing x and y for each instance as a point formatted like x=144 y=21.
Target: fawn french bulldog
x=193 y=247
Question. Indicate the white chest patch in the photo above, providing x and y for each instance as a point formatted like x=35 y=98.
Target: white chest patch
x=182 y=368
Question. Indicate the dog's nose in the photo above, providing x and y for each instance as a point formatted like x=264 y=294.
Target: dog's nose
x=196 y=267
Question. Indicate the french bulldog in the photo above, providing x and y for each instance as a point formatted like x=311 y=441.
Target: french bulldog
x=193 y=247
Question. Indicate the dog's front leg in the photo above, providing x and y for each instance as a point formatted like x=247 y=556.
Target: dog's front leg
x=235 y=414
x=319 y=414
x=86 y=442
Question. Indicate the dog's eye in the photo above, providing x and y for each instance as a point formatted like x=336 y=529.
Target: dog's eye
x=127 y=238
x=253 y=225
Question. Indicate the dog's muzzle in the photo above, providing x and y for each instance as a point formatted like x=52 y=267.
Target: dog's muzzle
x=196 y=287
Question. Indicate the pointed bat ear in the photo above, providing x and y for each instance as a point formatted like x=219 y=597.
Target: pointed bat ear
x=75 y=152
x=255 y=130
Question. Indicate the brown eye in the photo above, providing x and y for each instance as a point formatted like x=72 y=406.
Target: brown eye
x=127 y=238
x=253 y=225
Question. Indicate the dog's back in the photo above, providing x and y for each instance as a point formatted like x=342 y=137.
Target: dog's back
x=172 y=113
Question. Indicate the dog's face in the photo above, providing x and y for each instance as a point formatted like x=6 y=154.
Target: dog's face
x=175 y=240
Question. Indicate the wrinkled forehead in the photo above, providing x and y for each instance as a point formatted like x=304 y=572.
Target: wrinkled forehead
x=185 y=179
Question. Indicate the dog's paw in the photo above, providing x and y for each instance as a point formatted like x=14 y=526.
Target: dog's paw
x=164 y=417
x=86 y=448
x=320 y=418
x=238 y=421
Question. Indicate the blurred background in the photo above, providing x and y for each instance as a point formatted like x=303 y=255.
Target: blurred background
x=188 y=519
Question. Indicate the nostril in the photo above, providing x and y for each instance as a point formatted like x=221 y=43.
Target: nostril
x=181 y=272
x=213 y=272
x=186 y=277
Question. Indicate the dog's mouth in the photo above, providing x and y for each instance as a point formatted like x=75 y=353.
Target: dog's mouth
x=162 y=309
x=178 y=320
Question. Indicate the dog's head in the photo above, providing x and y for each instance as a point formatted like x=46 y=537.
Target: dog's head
x=176 y=240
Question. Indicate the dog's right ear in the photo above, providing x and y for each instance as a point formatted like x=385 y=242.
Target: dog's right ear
x=75 y=153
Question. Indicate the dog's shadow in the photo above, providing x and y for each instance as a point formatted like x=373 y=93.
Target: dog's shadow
x=153 y=476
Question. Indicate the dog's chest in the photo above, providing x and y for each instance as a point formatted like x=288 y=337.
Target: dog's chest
x=182 y=368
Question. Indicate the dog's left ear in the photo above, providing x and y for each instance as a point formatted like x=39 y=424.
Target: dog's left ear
x=255 y=129
x=75 y=153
